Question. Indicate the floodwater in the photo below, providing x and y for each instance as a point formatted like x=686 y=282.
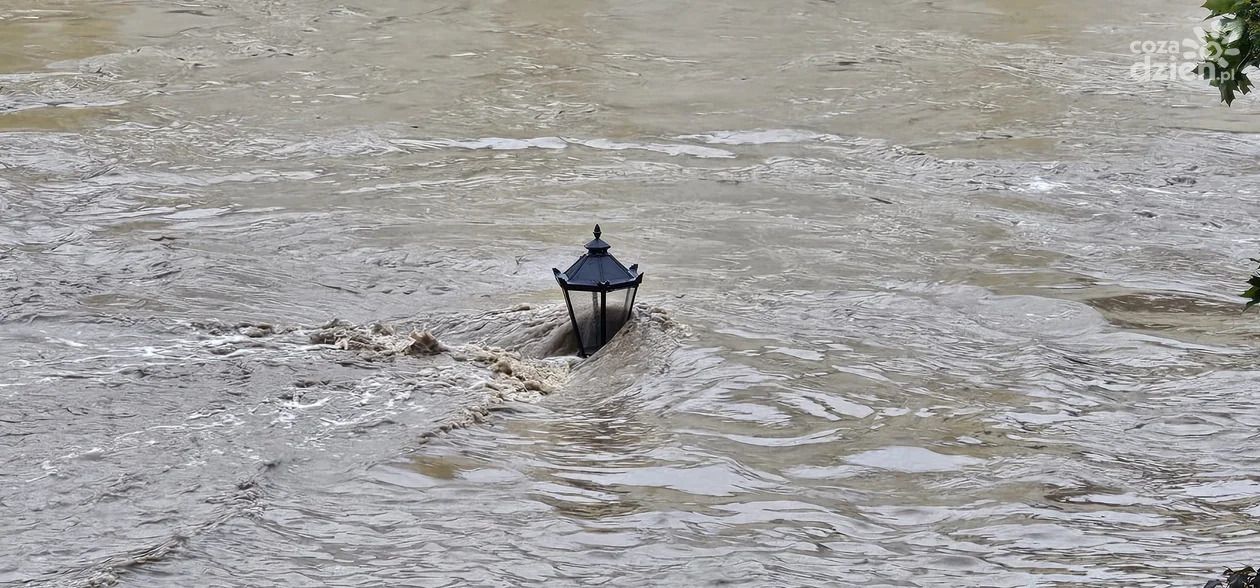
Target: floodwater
x=937 y=294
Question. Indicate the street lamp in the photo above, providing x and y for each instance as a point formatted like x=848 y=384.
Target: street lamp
x=605 y=278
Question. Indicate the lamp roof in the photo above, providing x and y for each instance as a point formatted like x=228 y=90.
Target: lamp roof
x=598 y=270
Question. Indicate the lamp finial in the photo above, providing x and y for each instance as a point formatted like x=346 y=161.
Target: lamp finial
x=597 y=231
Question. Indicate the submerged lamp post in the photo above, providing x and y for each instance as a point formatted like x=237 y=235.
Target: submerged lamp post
x=612 y=287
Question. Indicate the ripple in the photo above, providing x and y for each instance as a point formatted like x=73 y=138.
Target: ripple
x=912 y=460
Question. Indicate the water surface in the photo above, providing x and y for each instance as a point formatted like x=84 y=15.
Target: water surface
x=941 y=295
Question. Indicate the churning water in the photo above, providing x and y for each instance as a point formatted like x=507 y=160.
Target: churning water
x=936 y=295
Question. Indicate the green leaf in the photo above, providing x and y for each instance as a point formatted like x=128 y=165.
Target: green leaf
x=1244 y=83
x=1219 y=7
x=1252 y=294
x=1232 y=30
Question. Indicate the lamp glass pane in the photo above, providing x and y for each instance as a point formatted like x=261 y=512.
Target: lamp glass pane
x=573 y=314
x=586 y=313
x=619 y=309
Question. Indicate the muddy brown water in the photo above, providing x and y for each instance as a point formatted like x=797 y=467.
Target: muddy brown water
x=940 y=295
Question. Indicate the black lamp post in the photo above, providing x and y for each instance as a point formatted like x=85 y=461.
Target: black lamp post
x=605 y=278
